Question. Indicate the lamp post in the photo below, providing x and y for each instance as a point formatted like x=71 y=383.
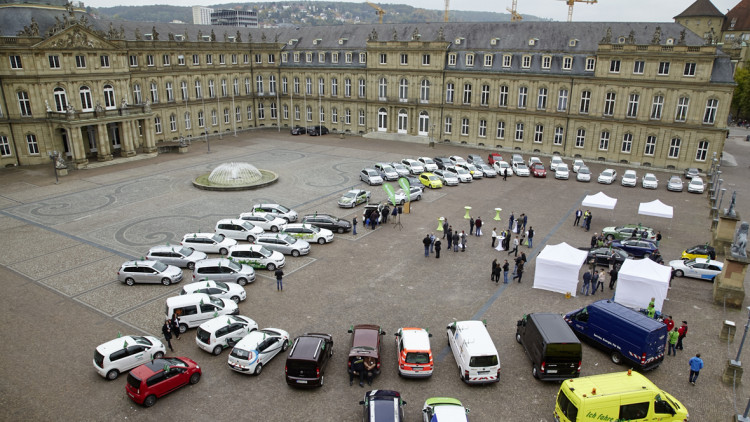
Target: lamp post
x=54 y=155
x=721 y=199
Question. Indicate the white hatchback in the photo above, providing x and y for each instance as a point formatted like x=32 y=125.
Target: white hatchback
x=554 y=162
x=208 y=242
x=222 y=332
x=238 y=229
x=232 y=291
x=562 y=172
x=266 y=220
x=577 y=164
x=428 y=163
x=257 y=349
x=629 y=178
x=125 y=353
x=649 y=181
x=583 y=174
x=696 y=185
x=257 y=256
x=503 y=168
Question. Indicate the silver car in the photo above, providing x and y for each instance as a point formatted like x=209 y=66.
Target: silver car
x=133 y=272
x=584 y=174
x=448 y=178
x=208 y=242
x=400 y=169
x=461 y=173
x=674 y=184
x=487 y=170
x=177 y=255
x=415 y=194
x=222 y=269
x=277 y=210
x=370 y=176
x=284 y=243
x=387 y=172
x=238 y=229
x=264 y=220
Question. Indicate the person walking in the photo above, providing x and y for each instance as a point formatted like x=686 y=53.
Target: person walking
x=531 y=236
x=494 y=269
x=279 y=277
x=494 y=236
x=672 y=342
x=612 y=277
x=450 y=237
x=455 y=241
x=683 y=333
x=426 y=242
x=525 y=220
x=586 y=283
x=438 y=246
x=515 y=247
x=579 y=213
x=463 y=241
x=510 y=221
x=478 y=225
x=166 y=329
x=696 y=364
x=658 y=238
x=354 y=225
x=175 y=325
x=432 y=243
x=506 y=268
x=471 y=225
x=594 y=282
x=445 y=228
x=519 y=272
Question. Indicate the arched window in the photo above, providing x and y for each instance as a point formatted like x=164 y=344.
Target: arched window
x=86 y=104
x=403 y=121
x=109 y=97
x=424 y=123
x=61 y=100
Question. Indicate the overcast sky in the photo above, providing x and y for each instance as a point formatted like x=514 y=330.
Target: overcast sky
x=603 y=11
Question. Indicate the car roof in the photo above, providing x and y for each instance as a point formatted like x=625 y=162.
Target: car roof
x=630 y=172
x=116 y=344
x=708 y=261
x=476 y=345
x=212 y=261
x=214 y=324
x=188 y=299
x=140 y=263
x=415 y=339
x=382 y=394
x=168 y=248
x=245 y=247
x=188 y=235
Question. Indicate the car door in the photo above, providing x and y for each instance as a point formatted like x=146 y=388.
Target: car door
x=137 y=355
x=207 y=311
x=148 y=275
x=174 y=379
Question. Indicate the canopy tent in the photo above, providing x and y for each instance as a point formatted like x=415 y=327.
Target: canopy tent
x=600 y=200
x=640 y=280
x=655 y=208
x=557 y=268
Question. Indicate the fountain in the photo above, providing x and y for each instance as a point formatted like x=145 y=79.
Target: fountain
x=235 y=176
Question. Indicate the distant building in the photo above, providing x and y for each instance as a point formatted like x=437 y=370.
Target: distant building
x=202 y=15
x=238 y=18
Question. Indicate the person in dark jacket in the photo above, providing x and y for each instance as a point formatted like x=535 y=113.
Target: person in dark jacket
x=455 y=241
x=438 y=245
x=471 y=225
x=279 y=275
x=427 y=242
x=166 y=329
x=175 y=324
x=506 y=268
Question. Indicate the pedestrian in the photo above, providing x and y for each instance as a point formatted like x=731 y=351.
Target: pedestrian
x=506 y=268
x=494 y=270
x=357 y=367
x=579 y=213
x=494 y=236
x=505 y=174
x=471 y=225
x=279 y=276
x=374 y=218
x=683 y=333
x=525 y=220
x=175 y=325
x=586 y=283
x=588 y=221
x=427 y=242
x=594 y=282
x=438 y=245
x=463 y=241
x=455 y=241
x=696 y=364
x=166 y=329
x=658 y=238
x=432 y=243
x=384 y=214
x=354 y=225
x=594 y=241
x=612 y=278
x=672 y=341
x=506 y=241
x=510 y=221
x=478 y=225
x=518 y=261
x=669 y=322
x=515 y=247
x=531 y=235
x=523 y=257
x=651 y=309
x=445 y=228
x=519 y=272
x=450 y=237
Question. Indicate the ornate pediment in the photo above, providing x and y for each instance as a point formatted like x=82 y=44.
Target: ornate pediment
x=77 y=37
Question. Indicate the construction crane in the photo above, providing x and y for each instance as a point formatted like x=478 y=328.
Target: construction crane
x=570 y=4
x=514 y=15
x=378 y=11
x=445 y=15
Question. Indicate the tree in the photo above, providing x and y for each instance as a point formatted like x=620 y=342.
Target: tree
x=741 y=98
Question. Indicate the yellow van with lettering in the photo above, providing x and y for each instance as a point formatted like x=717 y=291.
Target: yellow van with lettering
x=621 y=396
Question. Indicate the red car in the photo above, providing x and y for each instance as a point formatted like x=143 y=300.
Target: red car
x=160 y=377
x=538 y=170
x=494 y=156
x=365 y=344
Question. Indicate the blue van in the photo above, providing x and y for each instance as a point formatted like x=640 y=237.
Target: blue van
x=627 y=335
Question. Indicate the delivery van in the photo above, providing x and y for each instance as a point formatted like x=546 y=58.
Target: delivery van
x=628 y=336
x=553 y=348
x=476 y=355
x=620 y=396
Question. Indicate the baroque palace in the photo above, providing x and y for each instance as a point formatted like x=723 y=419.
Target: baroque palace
x=651 y=94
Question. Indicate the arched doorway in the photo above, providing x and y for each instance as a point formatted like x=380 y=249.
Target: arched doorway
x=403 y=121
x=382 y=120
x=424 y=123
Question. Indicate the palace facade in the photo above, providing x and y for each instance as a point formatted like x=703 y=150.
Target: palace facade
x=651 y=94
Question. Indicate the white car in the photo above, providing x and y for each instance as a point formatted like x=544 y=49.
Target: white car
x=516 y=158
x=472 y=169
x=457 y=159
x=577 y=164
x=415 y=194
x=208 y=242
x=554 y=162
x=277 y=210
x=354 y=197
x=583 y=174
x=176 y=255
x=487 y=170
x=222 y=332
x=257 y=349
x=607 y=177
x=629 y=178
x=448 y=178
x=520 y=169
x=370 y=176
x=444 y=409
x=503 y=168
x=415 y=167
x=285 y=244
x=265 y=220
x=696 y=185
x=649 y=181
x=674 y=184
x=309 y=232
x=238 y=229
x=533 y=160
x=705 y=269
x=232 y=291
x=562 y=172
x=400 y=169
x=125 y=353
x=428 y=163
x=461 y=173
x=257 y=256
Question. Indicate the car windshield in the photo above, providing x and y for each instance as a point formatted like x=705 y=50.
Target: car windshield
x=675 y=179
x=471 y=167
x=485 y=167
x=288 y=239
x=649 y=178
x=607 y=173
x=233 y=265
x=696 y=182
x=503 y=164
x=141 y=340
x=265 y=252
x=428 y=160
x=185 y=251
x=216 y=301
x=160 y=266
x=350 y=195
x=629 y=176
x=387 y=168
x=222 y=285
x=218 y=238
x=521 y=166
x=398 y=166
x=461 y=170
x=372 y=173
x=538 y=166
x=432 y=178
x=690 y=263
x=282 y=208
x=584 y=170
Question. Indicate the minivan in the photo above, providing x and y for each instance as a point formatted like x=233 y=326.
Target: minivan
x=475 y=353
x=308 y=359
x=222 y=269
x=553 y=348
x=196 y=308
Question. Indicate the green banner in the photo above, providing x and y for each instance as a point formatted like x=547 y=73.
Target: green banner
x=390 y=192
x=404 y=183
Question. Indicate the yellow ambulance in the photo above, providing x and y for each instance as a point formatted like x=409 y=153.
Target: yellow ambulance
x=616 y=397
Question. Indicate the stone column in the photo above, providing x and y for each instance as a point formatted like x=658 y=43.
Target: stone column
x=723 y=236
x=729 y=286
x=103 y=145
x=77 y=149
x=128 y=149
x=149 y=144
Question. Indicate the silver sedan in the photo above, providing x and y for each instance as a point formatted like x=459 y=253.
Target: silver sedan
x=284 y=243
x=674 y=184
x=448 y=178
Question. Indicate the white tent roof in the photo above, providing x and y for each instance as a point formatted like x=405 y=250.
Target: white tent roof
x=640 y=280
x=655 y=208
x=557 y=268
x=600 y=200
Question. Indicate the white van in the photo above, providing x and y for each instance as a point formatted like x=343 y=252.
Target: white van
x=197 y=308
x=474 y=351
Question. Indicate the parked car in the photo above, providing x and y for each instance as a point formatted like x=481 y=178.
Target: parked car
x=414 y=352
x=438 y=409
x=533 y=160
x=628 y=231
x=268 y=221
x=520 y=169
x=414 y=166
x=256 y=350
x=386 y=171
x=327 y=221
x=370 y=176
x=691 y=172
x=443 y=163
x=428 y=163
x=415 y=194
x=639 y=248
x=448 y=178
x=554 y=162
x=382 y=406
x=317 y=130
x=223 y=269
x=257 y=256
x=607 y=177
x=284 y=243
x=629 y=178
x=553 y=348
x=494 y=157
x=277 y=210
x=674 y=184
x=125 y=353
x=516 y=158
x=562 y=172
x=223 y=332
x=309 y=232
x=177 y=255
x=487 y=170
x=238 y=229
x=577 y=164
x=160 y=377
x=604 y=256
x=208 y=242
x=696 y=185
x=430 y=180
x=213 y=288
x=503 y=168
x=706 y=269
x=308 y=359
x=699 y=251
x=298 y=130
x=401 y=169
x=538 y=170
x=365 y=343
x=583 y=174
x=146 y=271
x=649 y=181
x=354 y=197
x=457 y=159
x=472 y=169
x=474 y=159
x=461 y=174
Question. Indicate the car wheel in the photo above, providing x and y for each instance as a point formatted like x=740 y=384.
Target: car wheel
x=191 y=265
x=251 y=238
x=242 y=282
x=150 y=401
x=616 y=358
x=113 y=374
x=340 y=230
x=419 y=197
x=158 y=355
x=534 y=372
x=518 y=337
x=217 y=350
x=295 y=253
x=183 y=328
x=165 y=281
x=610 y=237
x=285 y=346
x=195 y=378
x=258 y=369
x=274 y=229
x=679 y=273
x=223 y=251
x=321 y=241
x=129 y=281
x=270 y=267
x=236 y=299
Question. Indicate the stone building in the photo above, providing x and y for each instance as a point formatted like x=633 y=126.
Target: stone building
x=651 y=94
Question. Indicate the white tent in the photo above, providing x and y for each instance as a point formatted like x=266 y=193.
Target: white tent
x=600 y=200
x=655 y=208
x=640 y=280
x=557 y=268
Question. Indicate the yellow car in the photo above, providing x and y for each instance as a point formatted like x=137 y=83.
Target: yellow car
x=430 y=180
x=699 y=251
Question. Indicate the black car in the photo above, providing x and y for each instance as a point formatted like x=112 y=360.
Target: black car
x=443 y=162
x=308 y=359
x=383 y=405
x=603 y=256
x=326 y=221
x=474 y=159
x=299 y=130
x=317 y=130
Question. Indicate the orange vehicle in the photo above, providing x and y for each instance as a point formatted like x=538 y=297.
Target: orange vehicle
x=414 y=353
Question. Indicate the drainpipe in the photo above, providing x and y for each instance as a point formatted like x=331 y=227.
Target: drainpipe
x=567 y=118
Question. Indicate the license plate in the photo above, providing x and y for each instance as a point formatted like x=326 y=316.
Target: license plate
x=301 y=382
x=552 y=371
x=417 y=369
x=483 y=372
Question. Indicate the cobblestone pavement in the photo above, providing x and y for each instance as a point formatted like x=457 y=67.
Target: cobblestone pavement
x=62 y=245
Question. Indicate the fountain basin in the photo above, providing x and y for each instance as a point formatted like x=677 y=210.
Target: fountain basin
x=235 y=177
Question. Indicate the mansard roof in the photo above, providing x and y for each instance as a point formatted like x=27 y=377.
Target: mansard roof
x=738 y=19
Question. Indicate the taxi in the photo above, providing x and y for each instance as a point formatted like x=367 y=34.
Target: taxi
x=430 y=180
x=308 y=232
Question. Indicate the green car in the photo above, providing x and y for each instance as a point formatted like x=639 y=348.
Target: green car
x=626 y=232
x=437 y=409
